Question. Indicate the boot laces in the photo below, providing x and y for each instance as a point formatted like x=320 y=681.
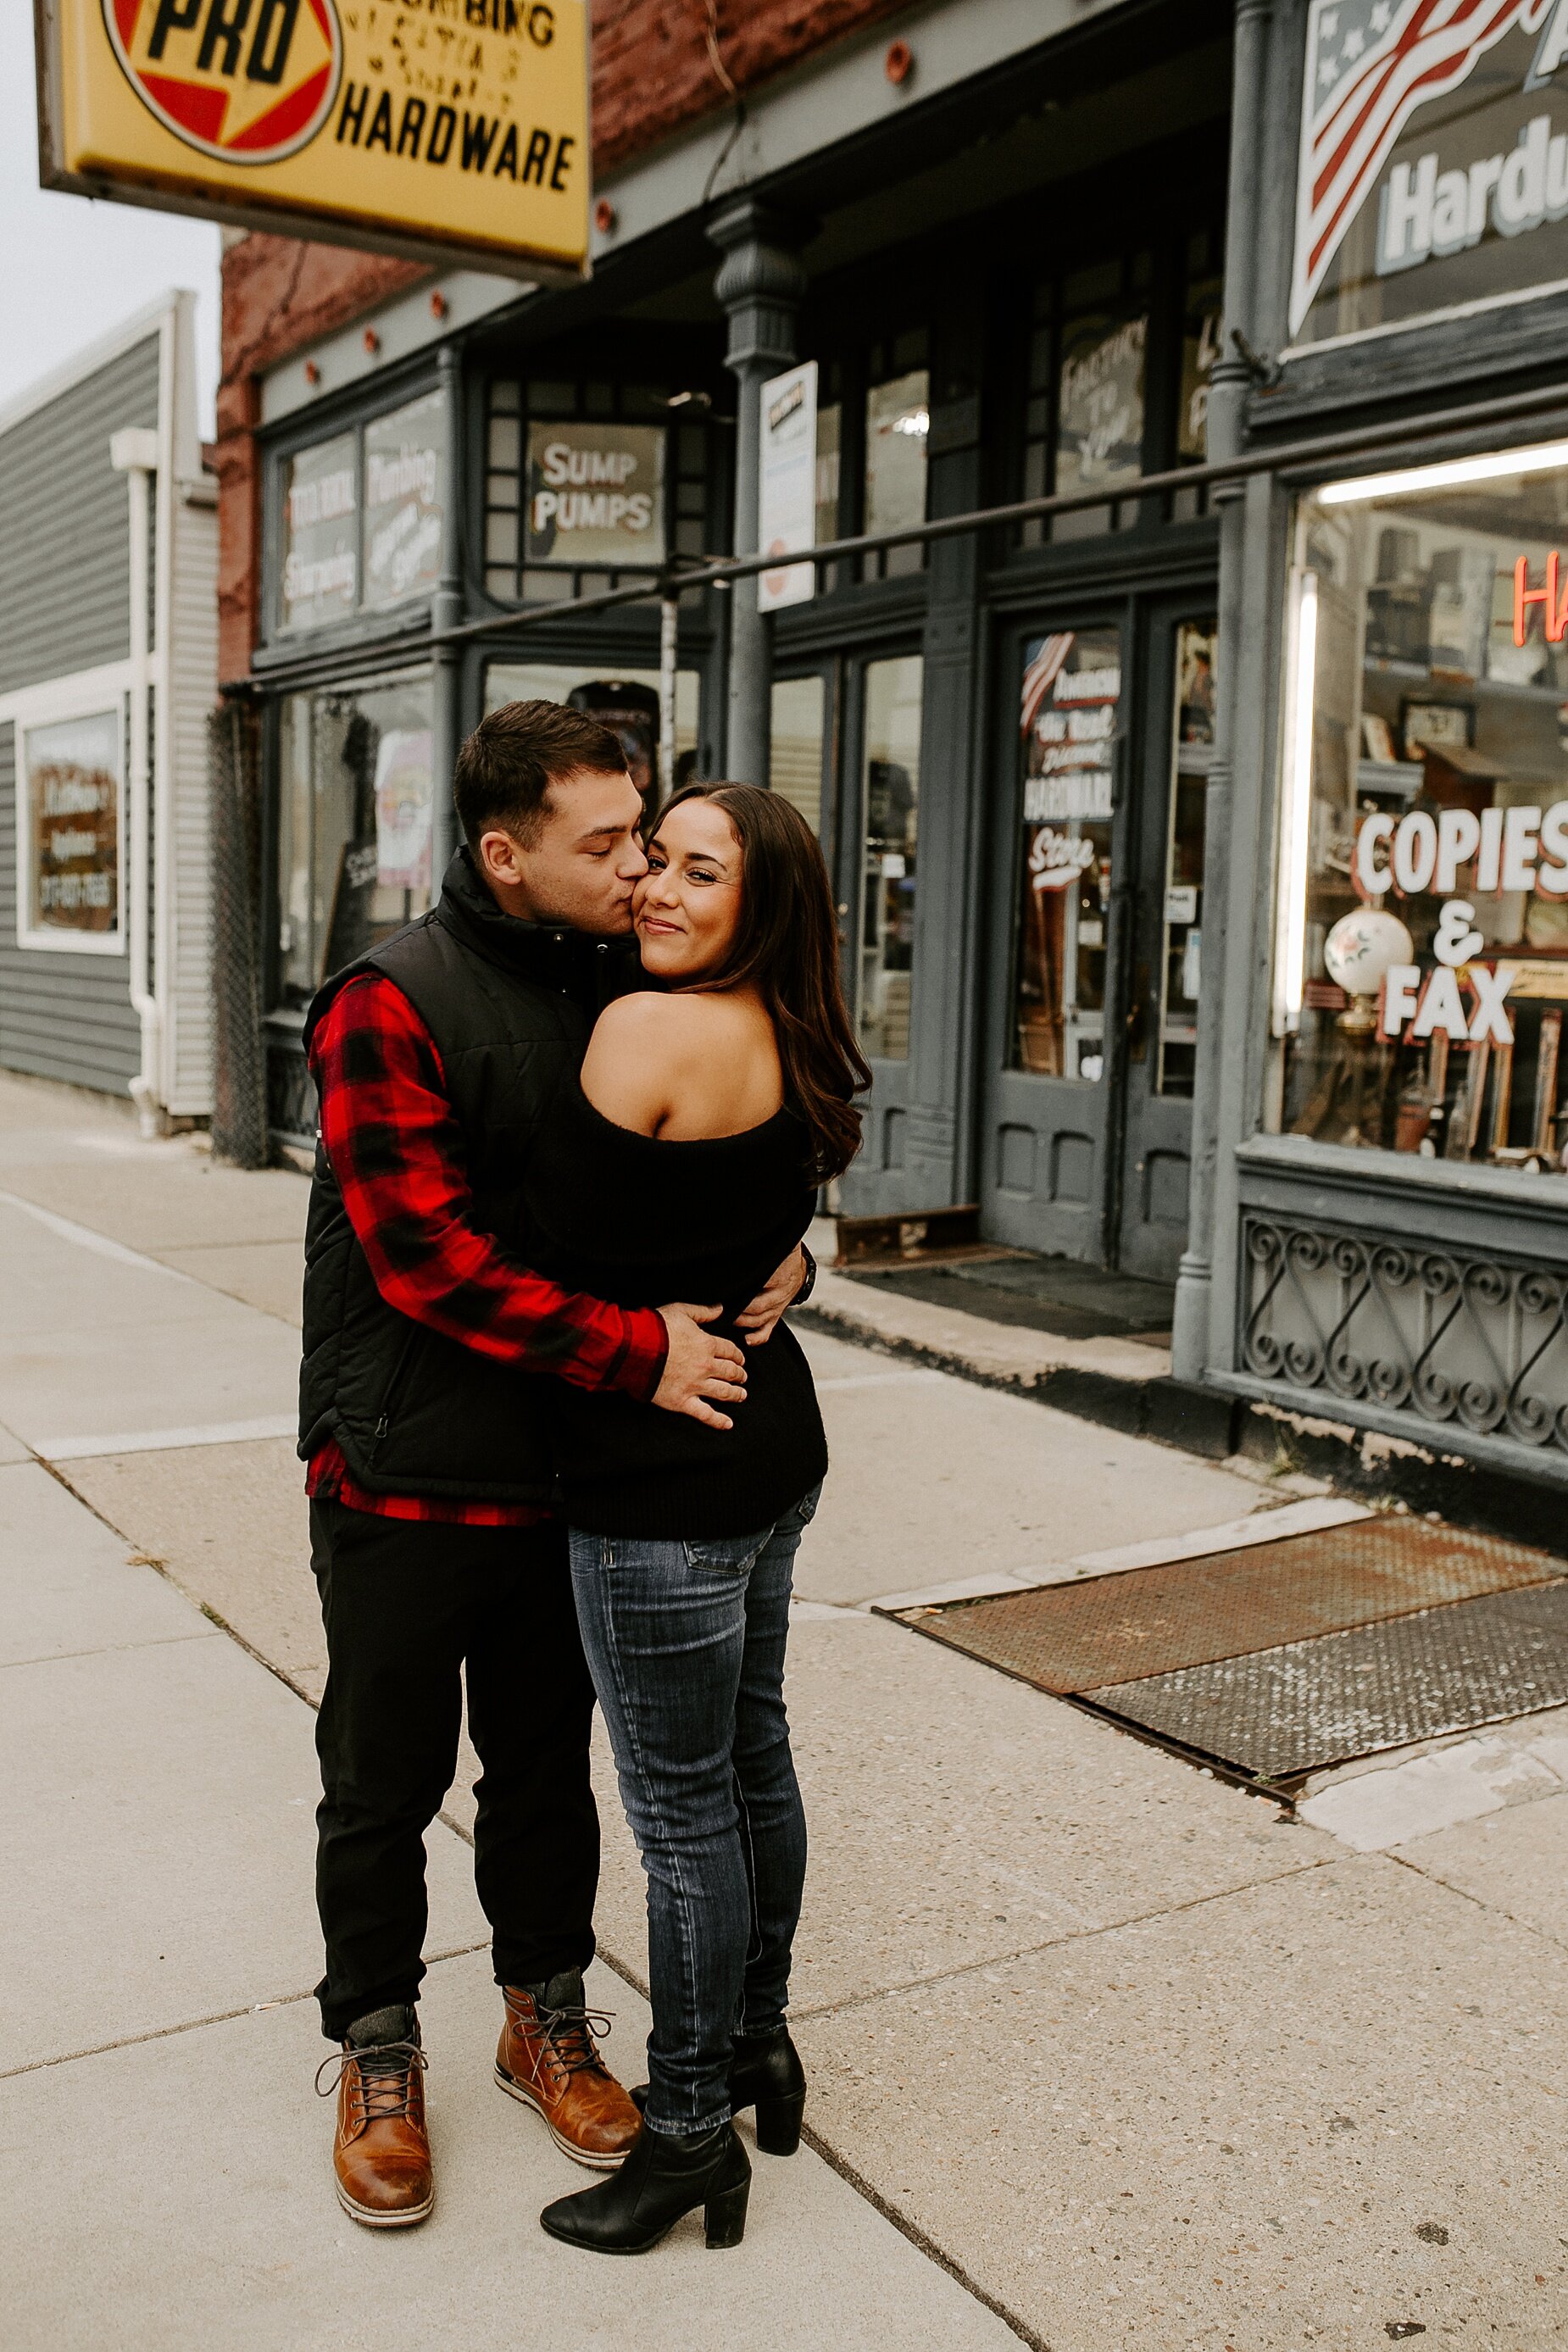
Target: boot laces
x=574 y=2035
x=386 y=2072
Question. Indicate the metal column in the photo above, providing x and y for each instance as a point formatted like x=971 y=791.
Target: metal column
x=1229 y=385
x=759 y=284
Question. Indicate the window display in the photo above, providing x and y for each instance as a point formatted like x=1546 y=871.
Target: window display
x=892 y=783
x=1181 y=963
x=1421 y=967
x=898 y=428
x=353 y=831
x=627 y=703
x=1068 y=722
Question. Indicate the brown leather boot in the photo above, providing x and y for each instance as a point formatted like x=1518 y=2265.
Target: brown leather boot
x=382 y=2155
x=549 y=2058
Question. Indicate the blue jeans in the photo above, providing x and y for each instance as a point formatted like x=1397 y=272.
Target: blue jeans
x=685 y=1641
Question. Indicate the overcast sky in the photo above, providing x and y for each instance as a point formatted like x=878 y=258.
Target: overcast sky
x=70 y=269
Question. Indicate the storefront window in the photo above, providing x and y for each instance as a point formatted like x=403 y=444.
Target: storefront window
x=1421 y=967
x=1068 y=713
x=892 y=787
x=1181 y=960
x=69 y=836
x=404 y=454
x=319 y=579
x=585 y=482
x=1099 y=388
x=795 y=750
x=897 y=426
x=362 y=518
x=354 y=812
x=627 y=700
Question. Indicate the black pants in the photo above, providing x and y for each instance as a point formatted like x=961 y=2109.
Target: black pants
x=404 y=1605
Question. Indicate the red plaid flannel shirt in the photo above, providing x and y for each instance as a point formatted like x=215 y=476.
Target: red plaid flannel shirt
x=397 y=1151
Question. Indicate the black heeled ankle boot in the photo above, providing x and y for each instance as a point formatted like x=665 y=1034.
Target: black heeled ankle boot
x=662 y=2178
x=765 y=2072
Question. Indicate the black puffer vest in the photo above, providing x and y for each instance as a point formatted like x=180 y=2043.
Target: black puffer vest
x=509 y=1005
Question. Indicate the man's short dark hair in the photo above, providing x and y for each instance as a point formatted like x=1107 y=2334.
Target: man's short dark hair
x=506 y=766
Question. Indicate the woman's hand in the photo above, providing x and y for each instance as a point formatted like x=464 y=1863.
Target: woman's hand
x=699 y=1365
x=760 y=1318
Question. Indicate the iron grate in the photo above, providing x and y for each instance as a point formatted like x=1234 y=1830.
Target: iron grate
x=1151 y=1621
x=1280 y=1713
x=1287 y=1656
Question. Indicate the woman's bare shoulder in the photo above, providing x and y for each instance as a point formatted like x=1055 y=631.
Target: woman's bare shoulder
x=641 y=1047
x=699 y=1059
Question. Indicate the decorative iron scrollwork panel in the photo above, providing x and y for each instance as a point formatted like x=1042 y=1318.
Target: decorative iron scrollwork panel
x=1445 y=1336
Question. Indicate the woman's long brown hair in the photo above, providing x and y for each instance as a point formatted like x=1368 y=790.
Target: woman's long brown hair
x=786 y=947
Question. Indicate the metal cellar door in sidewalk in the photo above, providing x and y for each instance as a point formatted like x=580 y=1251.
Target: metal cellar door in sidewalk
x=1097 y=931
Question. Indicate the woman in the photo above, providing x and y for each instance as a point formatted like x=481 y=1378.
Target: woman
x=686 y=1168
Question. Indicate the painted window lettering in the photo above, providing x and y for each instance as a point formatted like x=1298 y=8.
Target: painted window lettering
x=1433 y=162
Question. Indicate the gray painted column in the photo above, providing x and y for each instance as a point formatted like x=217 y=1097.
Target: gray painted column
x=759 y=284
x=445 y=613
x=1228 y=388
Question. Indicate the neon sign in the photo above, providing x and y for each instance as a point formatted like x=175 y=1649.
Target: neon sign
x=1555 y=606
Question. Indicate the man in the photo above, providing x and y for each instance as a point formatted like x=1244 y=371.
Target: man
x=426 y=1345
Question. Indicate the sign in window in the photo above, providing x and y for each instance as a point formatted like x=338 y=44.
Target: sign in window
x=71 y=795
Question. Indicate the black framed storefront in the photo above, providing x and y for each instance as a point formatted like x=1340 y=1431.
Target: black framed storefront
x=1109 y=800
x=950 y=378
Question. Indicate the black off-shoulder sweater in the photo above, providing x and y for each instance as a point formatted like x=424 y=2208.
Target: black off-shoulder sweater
x=644 y=1223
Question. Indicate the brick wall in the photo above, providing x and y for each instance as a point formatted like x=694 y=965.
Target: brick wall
x=653 y=75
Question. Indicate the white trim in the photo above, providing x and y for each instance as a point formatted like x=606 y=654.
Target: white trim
x=1427 y=318
x=55 y=705
x=74 y=696
x=89 y=359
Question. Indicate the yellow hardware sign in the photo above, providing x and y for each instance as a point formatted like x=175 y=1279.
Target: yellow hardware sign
x=425 y=128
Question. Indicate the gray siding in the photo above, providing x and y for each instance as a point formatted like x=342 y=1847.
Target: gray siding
x=65 y=525
x=61 y=1016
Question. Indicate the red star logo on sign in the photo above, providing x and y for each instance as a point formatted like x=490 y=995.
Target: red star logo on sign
x=249 y=81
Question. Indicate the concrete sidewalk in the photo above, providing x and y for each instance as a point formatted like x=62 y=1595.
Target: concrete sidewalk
x=1104 y=2053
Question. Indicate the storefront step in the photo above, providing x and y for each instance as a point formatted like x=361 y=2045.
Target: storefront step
x=1123 y=1381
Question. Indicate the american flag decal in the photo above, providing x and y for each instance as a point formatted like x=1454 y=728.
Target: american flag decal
x=1370 y=64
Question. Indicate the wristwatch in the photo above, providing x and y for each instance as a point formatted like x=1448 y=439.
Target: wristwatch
x=809 y=1285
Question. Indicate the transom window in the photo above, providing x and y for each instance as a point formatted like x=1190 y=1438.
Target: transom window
x=588 y=484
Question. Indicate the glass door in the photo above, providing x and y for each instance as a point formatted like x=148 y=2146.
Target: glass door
x=1167 y=920
x=1046 y=1125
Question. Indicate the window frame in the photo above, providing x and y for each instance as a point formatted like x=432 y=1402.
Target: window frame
x=90 y=694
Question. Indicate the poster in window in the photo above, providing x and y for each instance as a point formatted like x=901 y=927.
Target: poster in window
x=73 y=826
x=402 y=460
x=1433 y=169
x=402 y=808
x=596 y=494
x=1100 y=402
x=319 y=579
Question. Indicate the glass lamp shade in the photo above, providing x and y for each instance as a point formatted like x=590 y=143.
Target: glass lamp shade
x=1361 y=948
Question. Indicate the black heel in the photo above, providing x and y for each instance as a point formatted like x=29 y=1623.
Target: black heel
x=663 y=2179
x=767 y=2075
x=778 y=2124
x=724 y=2216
